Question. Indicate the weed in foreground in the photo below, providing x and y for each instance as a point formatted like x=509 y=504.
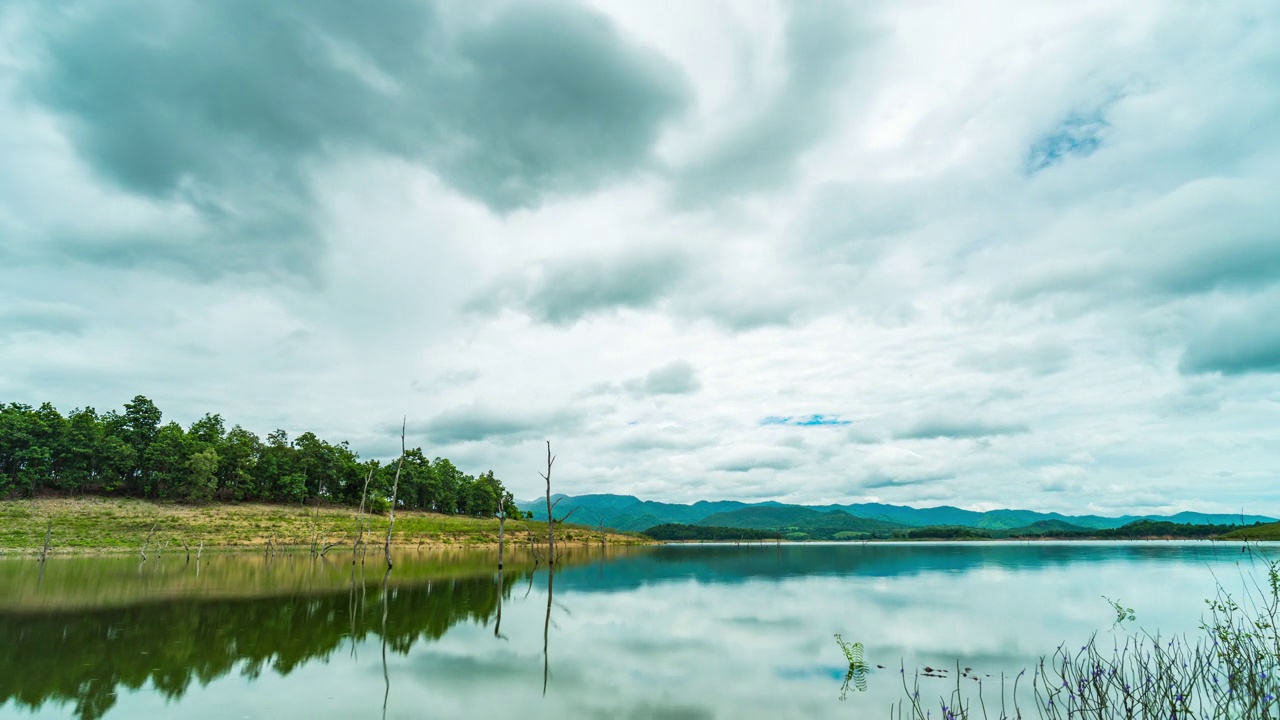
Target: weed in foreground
x=1228 y=673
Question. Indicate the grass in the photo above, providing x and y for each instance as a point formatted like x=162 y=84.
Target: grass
x=122 y=525
x=1270 y=531
x=1230 y=672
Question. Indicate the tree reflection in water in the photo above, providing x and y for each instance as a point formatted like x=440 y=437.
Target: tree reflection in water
x=173 y=643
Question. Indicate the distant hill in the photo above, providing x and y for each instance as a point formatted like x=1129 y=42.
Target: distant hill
x=1044 y=527
x=804 y=523
x=627 y=512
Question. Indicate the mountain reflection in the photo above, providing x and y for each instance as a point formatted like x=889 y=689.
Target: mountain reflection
x=86 y=656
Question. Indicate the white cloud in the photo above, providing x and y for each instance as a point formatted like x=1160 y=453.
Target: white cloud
x=1028 y=255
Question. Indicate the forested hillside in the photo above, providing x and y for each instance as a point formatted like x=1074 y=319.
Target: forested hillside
x=136 y=454
x=625 y=512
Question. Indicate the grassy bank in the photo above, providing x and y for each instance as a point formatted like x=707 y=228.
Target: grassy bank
x=1270 y=531
x=122 y=525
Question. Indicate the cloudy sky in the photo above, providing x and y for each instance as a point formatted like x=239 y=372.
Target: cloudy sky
x=997 y=254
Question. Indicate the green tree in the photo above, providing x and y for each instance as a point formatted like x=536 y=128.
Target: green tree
x=79 y=451
x=139 y=426
x=238 y=457
x=201 y=480
x=25 y=456
x=484 y=496
x=277 y=462
x=448 y=482
x=115 y=461
x=165 y=463
x=209 y=430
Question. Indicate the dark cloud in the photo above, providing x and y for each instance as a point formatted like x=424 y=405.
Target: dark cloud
x=1247 y=262
x=739 y=311
x=554 y=101
x=43 y=317
x=221 y=107
x=675 y=378
x=876 y=481
x=956 y=429
x=749 y=462
x=563 y=292
x=1246 y=341
x=761 y=152
x=475 y=423
x=1210 y=235
x=1036 y=358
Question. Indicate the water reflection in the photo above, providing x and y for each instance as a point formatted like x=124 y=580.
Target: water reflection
x=653 y=632
x=86 y=657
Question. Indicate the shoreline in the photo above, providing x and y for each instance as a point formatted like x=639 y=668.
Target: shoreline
x=109 y=526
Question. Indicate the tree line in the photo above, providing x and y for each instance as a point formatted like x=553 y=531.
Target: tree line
x=136 y=454
x=680 y=531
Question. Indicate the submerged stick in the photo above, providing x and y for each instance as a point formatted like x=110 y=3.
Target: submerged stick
x=395 y=486
x=48 y=534
x=360 y=522
x=145 y=543
x=502 y=521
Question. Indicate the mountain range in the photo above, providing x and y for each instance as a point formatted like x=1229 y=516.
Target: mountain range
x=626 y=512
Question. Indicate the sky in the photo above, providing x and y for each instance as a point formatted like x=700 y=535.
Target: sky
x=1016 y=253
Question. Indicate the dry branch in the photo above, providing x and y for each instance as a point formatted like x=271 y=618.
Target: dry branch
x=395 y=486
x=360 y=537
x=48 y=535
x=145 y=543
x=551 y=532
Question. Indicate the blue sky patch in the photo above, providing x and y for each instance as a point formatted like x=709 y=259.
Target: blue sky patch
x=1078 y=135
x=804 y=420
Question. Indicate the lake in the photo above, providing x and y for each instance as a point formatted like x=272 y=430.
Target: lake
x=690 y=631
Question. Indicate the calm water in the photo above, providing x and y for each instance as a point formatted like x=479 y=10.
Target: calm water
x=667 y=632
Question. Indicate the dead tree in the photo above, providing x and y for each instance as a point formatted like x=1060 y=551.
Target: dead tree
x=502 y=521
x=360 y=537
x=395 y=486
x=533 y=548
x=497 y=627
x=145 y=543
x=48 y=535
x=546 y=631
x=551 y=525
x=386 y=679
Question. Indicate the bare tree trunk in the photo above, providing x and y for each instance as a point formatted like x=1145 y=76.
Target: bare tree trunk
x=497 y=627
x=502 y=520
x=533 y=549
x=551 y=521
x=145 y=543
x=546 y=631
x=360 y=537
x=386 y=679
x=395 y=486
x=48 y=535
